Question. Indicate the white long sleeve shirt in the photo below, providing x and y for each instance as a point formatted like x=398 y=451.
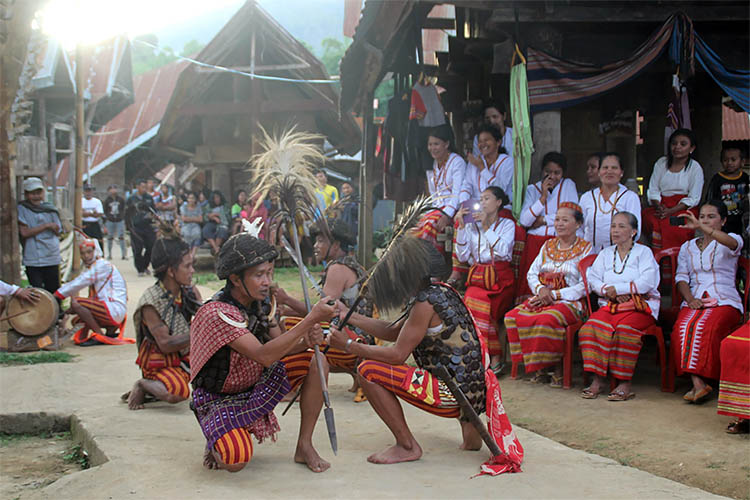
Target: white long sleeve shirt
x=688 y=182
x=713 y=271
x=473 y=245
x=507 y=143
x=639 y=268
x=499 y=174
x=7 y=289
x=108 y=284
x=549 y=261
x=598 y=212
x=533 y=206
x=444 y=183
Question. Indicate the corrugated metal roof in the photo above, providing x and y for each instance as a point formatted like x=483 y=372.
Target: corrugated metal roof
x=134 y=125
x=735 y=125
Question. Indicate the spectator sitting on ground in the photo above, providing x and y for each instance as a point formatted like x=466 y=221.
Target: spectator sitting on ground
x=239 y=204
x=250 y=213
x=192 y=218
x=216 y=222
x=202 y=200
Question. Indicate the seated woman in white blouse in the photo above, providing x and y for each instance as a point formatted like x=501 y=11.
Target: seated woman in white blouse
x=601 y=203
x=712 y=309
x=626 y=277
x=676 y=185
x=540 y=206
x=487 y=246
x=536 y=328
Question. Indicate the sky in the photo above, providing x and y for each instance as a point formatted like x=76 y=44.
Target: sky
x=176 y=22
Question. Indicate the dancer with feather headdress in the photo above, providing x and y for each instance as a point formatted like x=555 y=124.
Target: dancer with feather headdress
x=240 y=357
x=438 y=330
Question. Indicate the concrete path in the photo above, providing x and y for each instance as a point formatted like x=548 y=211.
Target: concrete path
x=157 y=452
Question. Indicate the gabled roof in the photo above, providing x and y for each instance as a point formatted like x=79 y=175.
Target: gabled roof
x=231 y=47
x=134 y=125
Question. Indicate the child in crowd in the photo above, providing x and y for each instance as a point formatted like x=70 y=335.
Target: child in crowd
x=731 y=186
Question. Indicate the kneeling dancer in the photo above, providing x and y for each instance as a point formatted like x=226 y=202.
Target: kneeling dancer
x=162 y=326
x=439 y=331
x=238 y=360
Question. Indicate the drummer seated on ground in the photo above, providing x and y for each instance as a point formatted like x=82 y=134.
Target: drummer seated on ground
x=106 y=305
x=7 y=291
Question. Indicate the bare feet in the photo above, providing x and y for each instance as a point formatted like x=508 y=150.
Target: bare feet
x=355 y=383
x=136 y=397
x=310 y=457
x=209 y=462
x=396 y=454
x=472 y=439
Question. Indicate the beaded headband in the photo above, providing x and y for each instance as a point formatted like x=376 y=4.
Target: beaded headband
x=569 y=204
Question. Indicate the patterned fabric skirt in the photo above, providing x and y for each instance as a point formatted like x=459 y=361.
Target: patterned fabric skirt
x=166 y=368
x=537 y=336
x=415 y=386
x=698 y=333
x=100 y=312
x=488 y=301
x=534 y=244
x=734 y=386
x=613 y=341
x=427 y=229
x=218 y=414
x=664 y=235
x=298 y=365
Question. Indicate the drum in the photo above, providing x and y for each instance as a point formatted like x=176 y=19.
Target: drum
x=33 y=319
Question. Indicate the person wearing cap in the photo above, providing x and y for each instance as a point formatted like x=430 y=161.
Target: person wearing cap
x=240 y=360
x=342 y=277
x=114 y=223
x=39 y=226
x=92 y=210
x=162 y=324
x=107 y=303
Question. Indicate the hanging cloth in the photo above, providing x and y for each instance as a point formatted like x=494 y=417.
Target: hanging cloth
x=678 y=110
x=523 y=144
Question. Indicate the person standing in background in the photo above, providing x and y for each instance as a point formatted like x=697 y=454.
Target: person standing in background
x=142 y=234
x=39 y=227
x=329 y=193
x=114 y=223
x=731 y=187
x=92 y=210
x=165 y=203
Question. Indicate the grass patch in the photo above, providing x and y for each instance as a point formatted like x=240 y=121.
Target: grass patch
x=9 y=439
x=12 y=358
x=77 y=455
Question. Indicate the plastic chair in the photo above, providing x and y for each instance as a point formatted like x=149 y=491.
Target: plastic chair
x=653 y=330
x=668 y=316
x=569 y=339
x=743 y=264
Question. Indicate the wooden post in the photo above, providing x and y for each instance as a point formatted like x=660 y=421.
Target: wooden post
x=10 y=260
x=80 y=149
x=364 y=249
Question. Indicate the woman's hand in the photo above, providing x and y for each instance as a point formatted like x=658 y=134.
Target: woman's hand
x=610 y=293
x=324 y=310
x=460 y=216
x=661 y=211
x=621 y=299
x=690 y=221
x=443 y=221
x=539 y=222
x=477 y=162
x=314 y=335
x=695 y=303
x=337 y=338
x=545 y=296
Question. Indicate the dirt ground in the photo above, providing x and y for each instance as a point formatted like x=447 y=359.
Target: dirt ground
x=32 y=462
x=656 y=432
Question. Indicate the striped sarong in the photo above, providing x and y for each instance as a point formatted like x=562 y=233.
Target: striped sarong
x=427 y=229
x=489 y=301
x=435 y=399
x=613 y=341
x=699 y=333
x=174 y=378
x=235 y=447
x=734 y=385
x=100 y=312
x=252 y=410
x=537 y=337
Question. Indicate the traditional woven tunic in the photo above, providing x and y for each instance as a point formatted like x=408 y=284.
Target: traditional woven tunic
x=536 y=334
x=709 y=274
x=499 y=174
x=491 y=283
x=444 y=183
x=598 y=213
x=233 y=392
x=611 y=338
x=734 y=385
x=533 y=207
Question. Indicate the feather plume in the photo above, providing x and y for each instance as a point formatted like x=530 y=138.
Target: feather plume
x=252 y=228
x=165 y=229
x=405 y=262
x=285 y=170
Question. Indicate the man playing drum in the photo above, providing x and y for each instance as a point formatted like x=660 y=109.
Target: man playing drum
x=8 y=290
x=106 y=305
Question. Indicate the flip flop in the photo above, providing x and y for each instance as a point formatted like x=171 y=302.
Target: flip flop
x=703 y=395
x=620 y=396
x=555 y=381
x=538 y=378
x=739 y=426
x=587 y=393
x=689 y=395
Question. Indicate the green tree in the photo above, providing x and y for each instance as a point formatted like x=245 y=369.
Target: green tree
x=146 y=57
x=332 y=52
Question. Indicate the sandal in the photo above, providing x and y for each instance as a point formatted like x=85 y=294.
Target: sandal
x=739 y=426
x=497 y=368
x=587 y=393
x=689 y=395
x=620 y=396
x=556 y=381
x=538 y=378
x=703 y=395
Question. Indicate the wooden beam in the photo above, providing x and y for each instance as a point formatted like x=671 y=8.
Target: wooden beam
x=621 y=13
x=439 y=23
x=258 y=69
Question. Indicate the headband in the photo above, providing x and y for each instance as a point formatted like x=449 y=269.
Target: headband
x=569 y=204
